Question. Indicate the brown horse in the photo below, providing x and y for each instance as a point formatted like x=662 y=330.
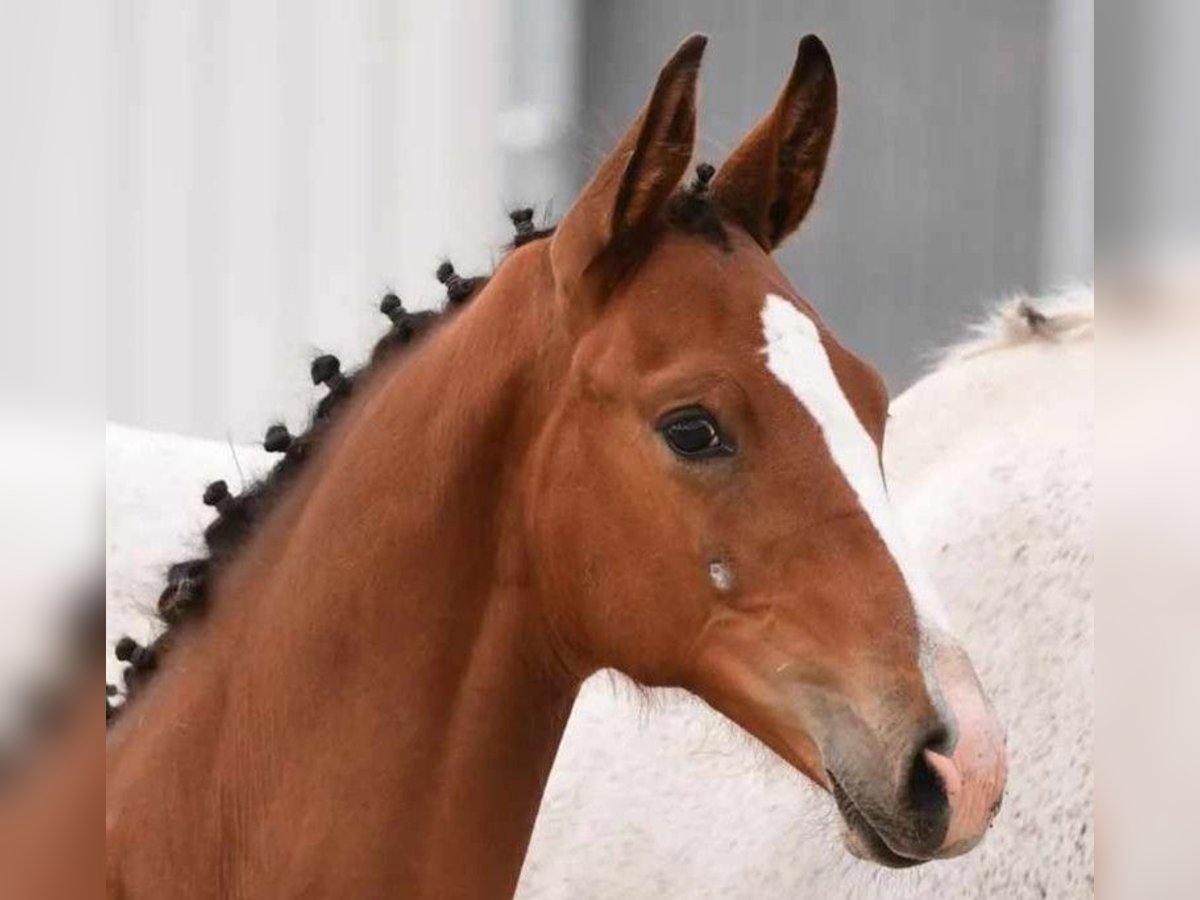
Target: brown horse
x=636 y=448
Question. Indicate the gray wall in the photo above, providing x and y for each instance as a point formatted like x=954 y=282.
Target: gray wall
x=1151 y=138
x=935 y=199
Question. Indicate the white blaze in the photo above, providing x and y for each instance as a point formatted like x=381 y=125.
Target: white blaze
x=796 y=356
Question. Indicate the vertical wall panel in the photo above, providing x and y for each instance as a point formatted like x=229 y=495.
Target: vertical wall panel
x=1070 y=173
x=204 y=281
x=258 y=312
x=55 y=124
x=276 y=167
x=164 y=140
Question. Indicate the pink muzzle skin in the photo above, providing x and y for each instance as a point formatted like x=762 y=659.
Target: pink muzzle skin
x=974 y=774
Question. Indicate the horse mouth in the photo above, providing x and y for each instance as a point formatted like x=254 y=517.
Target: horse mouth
x=861 y=837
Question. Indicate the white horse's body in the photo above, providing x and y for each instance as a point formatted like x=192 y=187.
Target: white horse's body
x=989 y=462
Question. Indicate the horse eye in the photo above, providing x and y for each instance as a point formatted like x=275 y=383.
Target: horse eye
x=693 y=433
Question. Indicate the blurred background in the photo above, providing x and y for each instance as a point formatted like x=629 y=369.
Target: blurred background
x=256 y=173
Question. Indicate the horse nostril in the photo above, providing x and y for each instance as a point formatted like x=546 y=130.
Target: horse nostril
x=925 y=789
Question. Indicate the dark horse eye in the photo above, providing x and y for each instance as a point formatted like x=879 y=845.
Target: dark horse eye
x=693 y=433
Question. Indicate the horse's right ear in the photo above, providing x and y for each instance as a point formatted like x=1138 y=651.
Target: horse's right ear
x=632 y=185
x=769 y=182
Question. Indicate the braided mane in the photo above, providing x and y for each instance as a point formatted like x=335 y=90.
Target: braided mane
x=186 y=594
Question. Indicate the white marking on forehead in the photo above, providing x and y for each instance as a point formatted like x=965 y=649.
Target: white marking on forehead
x=796 y=356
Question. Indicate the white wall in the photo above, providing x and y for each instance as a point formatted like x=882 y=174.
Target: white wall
x=54 y=116
x=275 y=168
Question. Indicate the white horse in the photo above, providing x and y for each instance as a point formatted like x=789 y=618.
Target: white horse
x=989 y=461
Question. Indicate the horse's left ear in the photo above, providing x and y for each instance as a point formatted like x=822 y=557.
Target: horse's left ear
x=769 y=181
x=632 y=185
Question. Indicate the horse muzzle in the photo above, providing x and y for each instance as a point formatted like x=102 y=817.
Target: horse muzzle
x=941 y=799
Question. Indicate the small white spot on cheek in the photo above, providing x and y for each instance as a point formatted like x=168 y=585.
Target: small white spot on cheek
x=721 y=575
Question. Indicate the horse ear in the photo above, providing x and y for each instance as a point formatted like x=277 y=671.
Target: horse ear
x=631 y=186
x=769 y=181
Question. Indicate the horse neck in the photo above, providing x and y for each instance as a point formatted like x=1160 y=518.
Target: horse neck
x=369 y=704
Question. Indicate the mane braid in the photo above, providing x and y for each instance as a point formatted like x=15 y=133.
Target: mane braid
x=692 y=210
x=186 y=594
x=526 y=231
